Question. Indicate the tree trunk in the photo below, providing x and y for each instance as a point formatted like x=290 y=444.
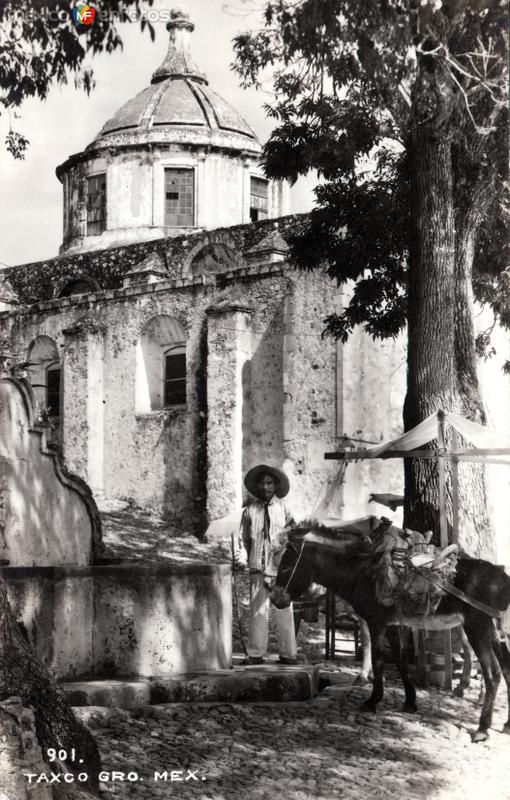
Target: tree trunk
x=23 y=675
x=431 y=374
x=441 y=351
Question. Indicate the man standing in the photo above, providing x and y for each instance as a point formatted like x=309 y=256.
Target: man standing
x=261 y=543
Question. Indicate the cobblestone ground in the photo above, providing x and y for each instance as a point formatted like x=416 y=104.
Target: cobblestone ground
x=295 y=751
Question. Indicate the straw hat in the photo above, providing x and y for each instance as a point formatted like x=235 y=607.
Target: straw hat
x=254 y=475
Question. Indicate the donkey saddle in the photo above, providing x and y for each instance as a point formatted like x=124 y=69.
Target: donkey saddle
x=397 y=554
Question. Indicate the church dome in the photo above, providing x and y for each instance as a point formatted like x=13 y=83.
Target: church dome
x=176 y=157
x=179 y=103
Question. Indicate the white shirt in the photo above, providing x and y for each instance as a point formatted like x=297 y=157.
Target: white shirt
x=260 y=551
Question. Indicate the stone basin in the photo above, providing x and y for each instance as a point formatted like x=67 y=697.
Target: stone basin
x=125 y=619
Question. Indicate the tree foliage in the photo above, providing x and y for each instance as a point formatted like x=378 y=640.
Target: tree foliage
x=401 y=107
x=41 y=47
x=352 y=81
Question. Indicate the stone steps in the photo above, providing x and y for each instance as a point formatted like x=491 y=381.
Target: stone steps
x=270 y=682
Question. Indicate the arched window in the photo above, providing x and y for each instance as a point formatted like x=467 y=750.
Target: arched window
x=213 y=258
x=96 y=204
x=44 y=374
x=78 y=286
x=53 y=390
x=258 y=198
x=174 y=390
x=161 y=365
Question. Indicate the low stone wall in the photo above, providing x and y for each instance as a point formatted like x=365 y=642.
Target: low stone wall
x=126 y=619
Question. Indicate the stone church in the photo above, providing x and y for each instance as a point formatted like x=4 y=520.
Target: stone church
x=170 y=346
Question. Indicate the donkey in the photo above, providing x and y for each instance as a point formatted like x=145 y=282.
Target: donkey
x=347 y=568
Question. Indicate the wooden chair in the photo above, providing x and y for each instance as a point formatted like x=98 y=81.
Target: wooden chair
x=307 y=610
x=338 y=623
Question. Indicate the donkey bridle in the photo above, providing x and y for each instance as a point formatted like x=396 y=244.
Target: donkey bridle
x=445 y=585
x=293 y=547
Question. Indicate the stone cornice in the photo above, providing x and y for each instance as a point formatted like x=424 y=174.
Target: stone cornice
x=112 y=295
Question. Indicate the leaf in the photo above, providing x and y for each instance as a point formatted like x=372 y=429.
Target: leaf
x=16 y=145
x=43 y=49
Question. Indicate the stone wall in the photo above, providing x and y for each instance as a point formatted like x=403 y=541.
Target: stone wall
x=127 y=619
x=262 y=384
x=47 y=516
x=157 y=458
x=44 y=280
x=291 y=393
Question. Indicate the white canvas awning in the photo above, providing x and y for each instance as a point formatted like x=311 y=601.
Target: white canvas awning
x=489 y=445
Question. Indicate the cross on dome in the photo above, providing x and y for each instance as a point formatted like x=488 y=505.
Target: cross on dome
x=179 y=61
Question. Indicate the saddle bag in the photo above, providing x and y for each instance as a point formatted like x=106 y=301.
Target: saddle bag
x=399 y=584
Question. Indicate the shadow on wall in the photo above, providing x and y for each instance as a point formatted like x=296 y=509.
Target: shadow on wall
x=246 y=416
x=199 y=434
x=130 y=619
x=162 y=336
x=174 y=443
x=158 y=620
x=42 y=355
x=48 y=515
x=262 y=413
x=184 y=442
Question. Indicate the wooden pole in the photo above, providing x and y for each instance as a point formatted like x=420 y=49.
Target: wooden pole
x=423 y=672
x=330 y=643
x=455 y=487
x=339 y=375
x=443 y=531
x=441 y=463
